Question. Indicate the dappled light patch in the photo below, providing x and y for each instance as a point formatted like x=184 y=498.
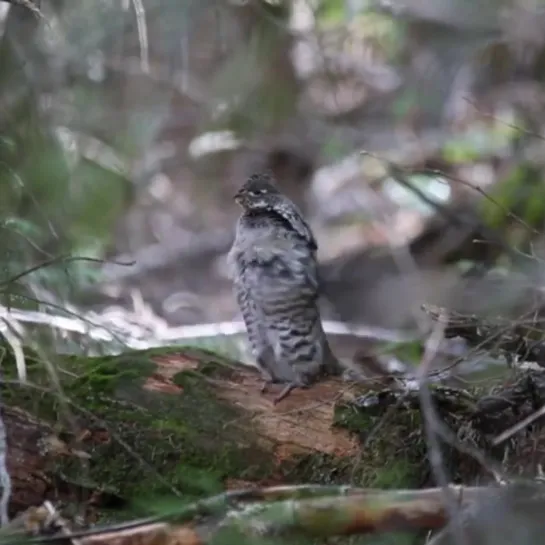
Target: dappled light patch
x=169 y=365
x=301 y=423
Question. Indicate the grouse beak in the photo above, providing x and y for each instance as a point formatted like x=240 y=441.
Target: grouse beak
x=237 y=197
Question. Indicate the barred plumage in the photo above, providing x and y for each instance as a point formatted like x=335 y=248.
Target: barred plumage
x=276 y=285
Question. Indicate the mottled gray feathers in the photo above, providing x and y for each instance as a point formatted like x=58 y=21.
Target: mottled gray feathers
x=275 y=280
x=262 y=195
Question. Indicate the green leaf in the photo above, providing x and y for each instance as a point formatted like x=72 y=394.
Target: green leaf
x=331 y=11
x=97 y=199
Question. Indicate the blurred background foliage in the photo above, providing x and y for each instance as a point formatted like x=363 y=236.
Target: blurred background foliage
x=125 y=127
x=411 y=133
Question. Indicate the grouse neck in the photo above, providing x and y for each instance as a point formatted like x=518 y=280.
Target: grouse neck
x=268 y=216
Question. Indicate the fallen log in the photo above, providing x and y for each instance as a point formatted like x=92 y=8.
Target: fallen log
x=109 y=434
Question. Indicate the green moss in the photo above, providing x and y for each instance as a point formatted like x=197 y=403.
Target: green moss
x=393 y=448
x=316 y=468
x=399 y=473
x=106 y=375
x=151 y=443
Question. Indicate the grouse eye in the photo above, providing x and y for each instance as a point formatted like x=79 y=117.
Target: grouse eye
x=257 y=192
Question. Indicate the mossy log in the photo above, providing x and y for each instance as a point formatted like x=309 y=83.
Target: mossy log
x=113 y=432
